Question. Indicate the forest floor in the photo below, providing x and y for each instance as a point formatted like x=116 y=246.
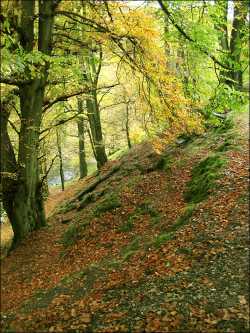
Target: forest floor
x=162 y=247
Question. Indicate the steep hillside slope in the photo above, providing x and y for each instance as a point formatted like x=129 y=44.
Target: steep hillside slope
x=155 y=243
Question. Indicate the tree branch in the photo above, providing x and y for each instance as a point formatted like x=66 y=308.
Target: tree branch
x=190 y=39
x=12 y=81
x=13 y=126
x=48 y=170
x=49 y=104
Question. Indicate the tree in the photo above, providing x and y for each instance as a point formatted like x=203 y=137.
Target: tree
x=44 y=78
x=93 y=111
x=60 y=155
x=232 y=43
x=23 y=200
x=81 y=137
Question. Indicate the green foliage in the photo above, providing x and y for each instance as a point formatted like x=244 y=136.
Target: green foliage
x=203 y=178
x=110 y=202
x=225 y=125
x=225 y=99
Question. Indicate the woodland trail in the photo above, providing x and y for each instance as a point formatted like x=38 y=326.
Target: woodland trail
x=150 y=264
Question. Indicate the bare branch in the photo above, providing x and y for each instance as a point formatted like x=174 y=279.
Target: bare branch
x=13 y=126
x=48 y=170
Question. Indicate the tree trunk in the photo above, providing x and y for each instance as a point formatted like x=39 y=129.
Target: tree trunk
x=127 y=126
x=91 y=75
x=96 y=130
x=81 y=137
x=59 y=149
x=231 y=49
x=8 y=164
x=239 y=21
x=44 y=177
x=28 y=209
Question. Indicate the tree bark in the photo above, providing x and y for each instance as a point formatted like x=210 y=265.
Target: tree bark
x=44 y=177
x=8 y=164
x=231 y=47
x=239 y=21
x=59 y=149
x=127 y=126
x=28 y=208
x=90 y=76
x=81 y=137
x=96 y=130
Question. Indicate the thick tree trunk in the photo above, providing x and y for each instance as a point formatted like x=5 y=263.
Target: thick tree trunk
x=8 y=165
x=28 y=212
x=27 y=204
x=81 y=137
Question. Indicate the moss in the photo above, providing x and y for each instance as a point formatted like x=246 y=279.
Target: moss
x=185 y=250
x=155 y=220
x=73 y=233
x=131 y=248
x=163 y=238
x=147 y=208
x=127 y=226
x=143 y=209
x=183 y=219
x=66 y=207
x=203 y=178
x=165 y=164
x=110 y=202
x=43 y=298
